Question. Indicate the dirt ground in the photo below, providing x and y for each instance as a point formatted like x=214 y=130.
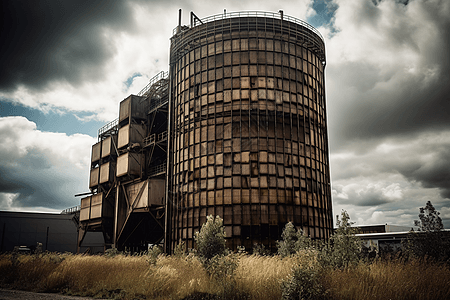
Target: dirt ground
x=14 y=294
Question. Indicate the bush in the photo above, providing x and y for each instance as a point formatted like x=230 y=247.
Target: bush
x=293 y=241
x=343 y=248
x=303 y=283
x=434 y=245
x=180 y=250
x=211 y=238
x=286 y=247
x=112 y=252
x=222 y=268
x=259 y=249
x=153 y=253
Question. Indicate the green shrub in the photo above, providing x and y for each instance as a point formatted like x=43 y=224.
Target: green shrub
x=286 y=247
x=180 y=250
x=210 y=240
x=221 y=267
x=112 y=252
x=153 y=253
x=259 y=249
x=293 y=241
x=431 y=241
x=343 y=248
x=303 y=283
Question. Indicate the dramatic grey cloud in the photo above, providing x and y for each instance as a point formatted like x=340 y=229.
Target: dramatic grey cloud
x=389 y=69
x=87 y=61
x=41 y=169
x=389 y=108
x=45 y=41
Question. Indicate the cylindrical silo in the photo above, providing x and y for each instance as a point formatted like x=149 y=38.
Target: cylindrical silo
x=248 y=131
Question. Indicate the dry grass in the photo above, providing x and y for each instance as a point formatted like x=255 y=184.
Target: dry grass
x=261 y=276
x=130 y=277
x=123 y=277
x=390 y=280
x=256 y=277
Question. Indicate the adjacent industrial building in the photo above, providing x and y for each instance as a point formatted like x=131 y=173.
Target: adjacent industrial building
x=236 y=128
x=50 y=232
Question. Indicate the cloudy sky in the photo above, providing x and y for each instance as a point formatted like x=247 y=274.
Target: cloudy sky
x=66 y=65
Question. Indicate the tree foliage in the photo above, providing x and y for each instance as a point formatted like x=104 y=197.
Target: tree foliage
x=341 y=250
x=293 y=241
x=211 y=238
x=216 y=259
x=304 y=283
x=344 y=247
x=430 y=241
x=429 y=219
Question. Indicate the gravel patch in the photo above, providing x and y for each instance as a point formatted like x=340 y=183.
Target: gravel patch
x=23 y=295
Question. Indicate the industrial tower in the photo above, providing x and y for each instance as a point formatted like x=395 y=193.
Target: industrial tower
x=236 y=128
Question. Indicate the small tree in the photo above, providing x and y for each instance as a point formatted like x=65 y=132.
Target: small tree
x=293 y=241
x=211 y=238
x=429 y=219
x=212 y=251
x=286 y=247
x=431 y=241
x=343 y=247
x=304 y=282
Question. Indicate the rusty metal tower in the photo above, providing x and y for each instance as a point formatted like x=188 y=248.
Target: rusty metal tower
x=249 y=128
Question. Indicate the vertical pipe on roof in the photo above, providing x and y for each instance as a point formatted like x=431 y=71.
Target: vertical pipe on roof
x=179 y=21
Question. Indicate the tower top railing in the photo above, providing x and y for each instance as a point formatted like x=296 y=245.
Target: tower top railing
x=157 y=77
x=243 y=14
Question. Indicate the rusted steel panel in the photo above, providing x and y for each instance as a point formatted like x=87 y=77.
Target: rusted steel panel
x=96 y=152
x=94 y=177
x=100 y=208
x=85 y=208
x=132 y=107
x=147 y=193
x=131 y=134
x=107 y=171
x=128 y=164
x=108 y=146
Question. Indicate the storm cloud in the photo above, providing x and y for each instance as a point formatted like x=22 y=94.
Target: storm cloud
x=390 y=69
x=45 y=41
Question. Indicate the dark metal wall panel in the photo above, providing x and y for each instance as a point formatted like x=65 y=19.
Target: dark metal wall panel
x=55 y=232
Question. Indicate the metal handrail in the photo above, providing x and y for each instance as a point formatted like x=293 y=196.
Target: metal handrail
x=71 y=210
x=263 y=14
x=159 y=169
x=162 y=136
x=150 y=139
x=156 y=103
x=108 y=126
x=155 y=138
x=156 y=78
